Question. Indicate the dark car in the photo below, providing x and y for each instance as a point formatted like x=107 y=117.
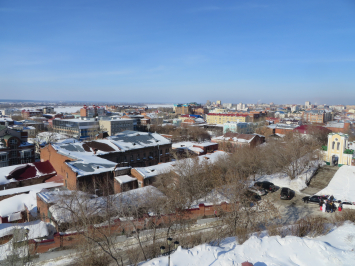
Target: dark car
x=268 y=186
x=314 y=199
x=286 y=193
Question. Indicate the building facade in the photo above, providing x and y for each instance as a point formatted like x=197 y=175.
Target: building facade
x=82 y=128
x=338 y=152
x=14 y=148
x=114 y=126
x=214 y=118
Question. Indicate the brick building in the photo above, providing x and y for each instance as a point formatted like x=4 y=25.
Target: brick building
x=30 y=113
x=92 y=111
x=92 y=162
x=182 y=109
x=219 y=118
x=317 y=116
x=14 y=148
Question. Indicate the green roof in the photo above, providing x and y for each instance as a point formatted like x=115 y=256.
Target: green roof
x=7 y=137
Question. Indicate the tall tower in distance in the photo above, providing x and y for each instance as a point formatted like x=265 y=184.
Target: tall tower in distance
x=308 y=104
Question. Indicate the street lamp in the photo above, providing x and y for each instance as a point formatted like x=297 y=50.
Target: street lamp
x=162 y=248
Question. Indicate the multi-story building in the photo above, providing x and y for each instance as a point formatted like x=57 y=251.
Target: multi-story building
x=295 y=108
x=307 y=104
x=214 y=118
x=91 y=162
x=92 y=111
x=14 y=148
x=48 y=110
x=316 y=116
x=83 y=128
x=114 y=126
x=6 y=121
x=240 y=106
x=182 y=109
x=238 y=127
x=30 y=113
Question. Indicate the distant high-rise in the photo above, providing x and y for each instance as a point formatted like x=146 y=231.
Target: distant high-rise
x=219 y=102
x=307 y=104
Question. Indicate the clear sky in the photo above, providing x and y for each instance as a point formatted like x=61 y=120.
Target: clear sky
x=172 y=51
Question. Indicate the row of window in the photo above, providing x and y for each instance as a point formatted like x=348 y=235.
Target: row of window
x=138 y=157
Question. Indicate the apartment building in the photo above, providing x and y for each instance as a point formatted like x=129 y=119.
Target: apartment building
x=48 y=110
x=182 y=109
x=317 y=116
x=92 y=111
x=238 y=127
x=14 y=148
x=30 y=113
x=116 y=125
x=214 y=118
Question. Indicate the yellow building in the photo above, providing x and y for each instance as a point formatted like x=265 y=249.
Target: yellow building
x=214 y=118
x=337 y=151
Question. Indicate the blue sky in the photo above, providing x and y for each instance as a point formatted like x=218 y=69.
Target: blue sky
x=178 y=51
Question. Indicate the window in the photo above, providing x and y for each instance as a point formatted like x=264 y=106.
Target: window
x=13 y=142
x=338 y=145
x=333 y=145
x=3 y=157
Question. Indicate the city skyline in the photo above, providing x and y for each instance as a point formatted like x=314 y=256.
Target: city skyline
x=166 y=52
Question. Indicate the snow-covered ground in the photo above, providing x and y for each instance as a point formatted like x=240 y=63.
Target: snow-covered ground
x=342 y=185
x=335 y=248
x=283 y=180
x=37 y=229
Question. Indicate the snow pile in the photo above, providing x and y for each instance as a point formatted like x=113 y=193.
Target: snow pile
x=342 y=185
x=37 y=229
x=17 y=204
x=336 y=248
x=297 y=184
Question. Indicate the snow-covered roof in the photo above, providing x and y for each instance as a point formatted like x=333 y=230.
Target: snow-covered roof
x=132 y=140
x=26 y=189
x=86 y=162
x=98 y=205
x=191 y=144
x=151 y=171
x=18 y=172
x=122 y=179
x=37 y=229
x=17 y=203
x=243 y=138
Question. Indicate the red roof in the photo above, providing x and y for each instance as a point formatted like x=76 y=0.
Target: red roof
x=32 y=170
x=304 y=129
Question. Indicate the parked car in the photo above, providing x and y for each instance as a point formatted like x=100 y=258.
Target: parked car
x=286 y=193
x=268 y=186
x=314 y=199
x=258 y=191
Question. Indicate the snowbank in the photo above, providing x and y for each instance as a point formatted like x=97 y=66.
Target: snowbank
x=297 y=184
x=336 y=248
x=17 y=204
x=342 y=185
